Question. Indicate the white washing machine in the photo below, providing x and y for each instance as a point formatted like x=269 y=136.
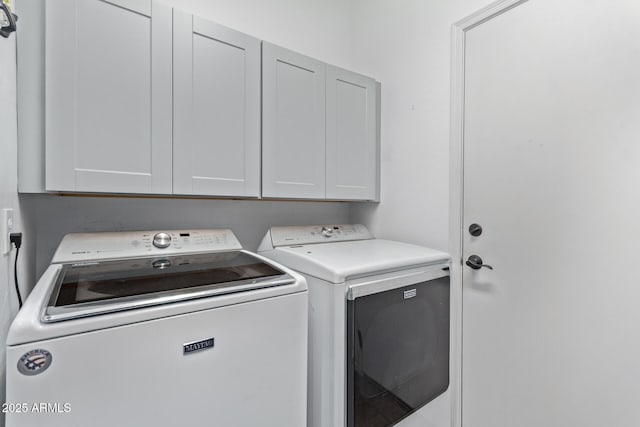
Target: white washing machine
x=159 y=329
x=378 y=326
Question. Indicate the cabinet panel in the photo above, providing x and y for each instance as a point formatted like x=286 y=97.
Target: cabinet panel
x=293 y=103
x=351 y=136
x=108 y=97
x=216 y=110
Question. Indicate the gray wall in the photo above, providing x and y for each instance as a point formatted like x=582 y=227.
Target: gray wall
x=406 y=44
x=9 y=199
x=56 y=216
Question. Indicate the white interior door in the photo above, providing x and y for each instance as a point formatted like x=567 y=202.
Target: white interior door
x=551 y=335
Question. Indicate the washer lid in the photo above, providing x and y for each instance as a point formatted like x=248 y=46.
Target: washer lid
x=92 y=288
x=339 y=261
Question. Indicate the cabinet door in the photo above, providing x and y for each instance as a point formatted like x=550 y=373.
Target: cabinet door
x=293 y=114
x=108 y=96
x=352 y=148
x=216 y=109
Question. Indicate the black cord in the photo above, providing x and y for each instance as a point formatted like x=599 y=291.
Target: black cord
x=15 y=277
x=16 y=240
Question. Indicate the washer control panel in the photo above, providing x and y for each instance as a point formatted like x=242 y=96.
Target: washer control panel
x=130 y=244
x=307 y=235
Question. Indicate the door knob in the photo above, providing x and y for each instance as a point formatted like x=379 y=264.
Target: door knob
x=475 y=262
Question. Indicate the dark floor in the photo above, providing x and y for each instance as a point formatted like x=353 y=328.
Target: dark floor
x=376 y=406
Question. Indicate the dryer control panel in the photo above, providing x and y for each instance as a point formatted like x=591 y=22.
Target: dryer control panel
x=77 y=247
x=310 y=234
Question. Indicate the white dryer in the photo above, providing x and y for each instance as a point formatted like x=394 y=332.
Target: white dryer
x=159 y=329
x=378 y=326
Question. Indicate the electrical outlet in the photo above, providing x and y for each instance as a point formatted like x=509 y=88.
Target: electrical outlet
x=6 y=227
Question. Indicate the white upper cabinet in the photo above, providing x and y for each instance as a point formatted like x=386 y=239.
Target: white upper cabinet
x=216 y=141
x=141 y=98
x=293 y=124
x=352 y=149
x=108 y=96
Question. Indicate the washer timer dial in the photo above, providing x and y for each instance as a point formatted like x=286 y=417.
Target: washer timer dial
x=162 y=240
x=327 y=231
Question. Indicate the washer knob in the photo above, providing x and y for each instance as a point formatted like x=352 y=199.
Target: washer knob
x=327 y=231
x=162 y=240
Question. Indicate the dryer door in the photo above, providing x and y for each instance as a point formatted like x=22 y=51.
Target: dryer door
x=397 y=352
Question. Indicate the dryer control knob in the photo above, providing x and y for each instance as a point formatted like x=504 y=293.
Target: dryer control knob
x=327 y=231
x=162 y=240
